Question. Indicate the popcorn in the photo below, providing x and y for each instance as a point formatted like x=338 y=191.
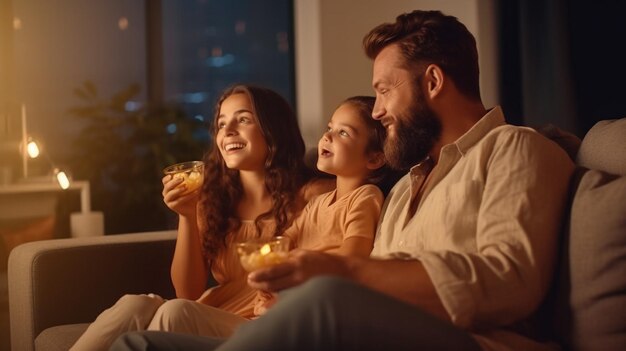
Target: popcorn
x=258 y=260
x=189 y=172
x=193 y=180
x=255 y=254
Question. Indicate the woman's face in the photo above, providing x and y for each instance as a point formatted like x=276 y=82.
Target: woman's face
x=239 y=137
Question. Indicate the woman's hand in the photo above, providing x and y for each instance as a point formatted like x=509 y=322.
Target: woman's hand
x=300 y=267
x=184 y=205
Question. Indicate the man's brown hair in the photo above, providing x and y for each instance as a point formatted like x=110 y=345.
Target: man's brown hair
x=430 y=37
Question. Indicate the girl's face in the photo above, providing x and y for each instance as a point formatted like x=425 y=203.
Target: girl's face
x=341 y=150
x=239 y=137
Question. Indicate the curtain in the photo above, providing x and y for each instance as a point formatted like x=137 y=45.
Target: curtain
x=561 y=62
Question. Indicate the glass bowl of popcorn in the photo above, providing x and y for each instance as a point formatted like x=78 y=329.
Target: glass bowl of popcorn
x=190 y=172
x=258 y=253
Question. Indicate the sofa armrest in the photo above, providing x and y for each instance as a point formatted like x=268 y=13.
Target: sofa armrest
x=65 y=281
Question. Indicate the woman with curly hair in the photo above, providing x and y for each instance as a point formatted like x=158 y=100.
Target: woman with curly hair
x=255 y=183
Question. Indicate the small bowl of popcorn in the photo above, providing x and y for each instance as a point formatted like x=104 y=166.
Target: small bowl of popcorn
x=190 y=172
x=258 y=253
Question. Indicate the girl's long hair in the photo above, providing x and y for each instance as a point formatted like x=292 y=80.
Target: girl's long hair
x=285 y=172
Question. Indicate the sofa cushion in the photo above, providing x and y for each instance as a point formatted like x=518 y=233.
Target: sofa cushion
x=593 y=277
x=59 y=338
x=604 y=147
x=569 y=142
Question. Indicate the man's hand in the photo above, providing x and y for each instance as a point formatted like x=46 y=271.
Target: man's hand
x=301 y=265
x=403 y=279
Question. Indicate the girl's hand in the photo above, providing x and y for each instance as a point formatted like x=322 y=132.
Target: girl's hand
x=184 y=205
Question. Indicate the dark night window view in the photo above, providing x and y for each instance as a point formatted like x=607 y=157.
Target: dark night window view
x=208 y=45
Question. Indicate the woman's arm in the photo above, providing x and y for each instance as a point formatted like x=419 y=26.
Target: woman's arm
x=189 y=271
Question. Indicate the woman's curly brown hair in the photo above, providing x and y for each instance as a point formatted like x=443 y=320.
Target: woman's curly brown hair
x=285 y=170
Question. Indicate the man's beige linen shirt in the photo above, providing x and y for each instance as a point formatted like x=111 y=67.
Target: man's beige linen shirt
x=486 y=226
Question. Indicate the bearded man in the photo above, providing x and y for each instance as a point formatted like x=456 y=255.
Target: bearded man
x=466 y=246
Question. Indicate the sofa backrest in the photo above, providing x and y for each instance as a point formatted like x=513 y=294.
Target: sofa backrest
x=604 y=147
x=590 y=295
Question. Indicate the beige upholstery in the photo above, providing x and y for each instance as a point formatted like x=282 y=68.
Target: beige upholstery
x=69 y=281
x=590 y=294
x=604 y=147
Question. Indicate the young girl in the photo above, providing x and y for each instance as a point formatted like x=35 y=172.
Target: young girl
x=344 y=220
x=255 y=182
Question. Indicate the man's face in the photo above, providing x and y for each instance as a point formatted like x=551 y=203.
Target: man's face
x=412 y=127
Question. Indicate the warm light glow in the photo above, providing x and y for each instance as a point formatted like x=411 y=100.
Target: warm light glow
x=122 y=23
x=216 y=51
x=17 y=23
x=32 y=148
x=265 y=249
x=63 y=180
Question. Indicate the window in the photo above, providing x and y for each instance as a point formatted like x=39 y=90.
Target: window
x=209 y=45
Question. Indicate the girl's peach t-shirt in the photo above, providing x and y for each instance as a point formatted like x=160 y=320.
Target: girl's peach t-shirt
x=326 y=222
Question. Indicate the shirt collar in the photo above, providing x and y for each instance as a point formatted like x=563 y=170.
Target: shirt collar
x=422 y=168
x=491 y=120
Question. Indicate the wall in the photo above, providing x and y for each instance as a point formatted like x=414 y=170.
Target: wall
x=57 y=47
x=330 y=62
x=331 y=65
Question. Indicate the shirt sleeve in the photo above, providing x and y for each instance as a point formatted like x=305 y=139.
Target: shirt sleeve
x=363 y=212
x=519 y=218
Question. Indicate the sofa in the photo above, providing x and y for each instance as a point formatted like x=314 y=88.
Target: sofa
x=57 y=286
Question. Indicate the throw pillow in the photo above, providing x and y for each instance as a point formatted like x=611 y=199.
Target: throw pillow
x=597 y=263
x=603 y=148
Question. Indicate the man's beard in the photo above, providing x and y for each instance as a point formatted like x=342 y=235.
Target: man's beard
x=416 y=132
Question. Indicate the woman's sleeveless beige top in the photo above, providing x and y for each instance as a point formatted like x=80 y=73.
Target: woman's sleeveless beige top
x=232 y=293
